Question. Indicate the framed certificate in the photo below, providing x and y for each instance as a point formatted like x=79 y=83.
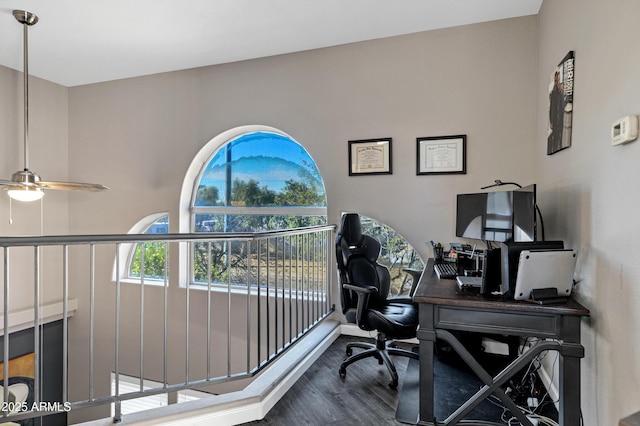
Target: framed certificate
x=441 y=155
x=369 y=157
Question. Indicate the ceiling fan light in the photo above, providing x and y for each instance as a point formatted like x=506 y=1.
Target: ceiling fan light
x=26 y=193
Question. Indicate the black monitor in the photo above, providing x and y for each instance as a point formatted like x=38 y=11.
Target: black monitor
x=524 y=214
x=497 y=216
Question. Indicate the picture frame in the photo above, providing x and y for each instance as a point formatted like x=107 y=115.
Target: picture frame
x=561 y=105
x=370 y=157
x=441 y=155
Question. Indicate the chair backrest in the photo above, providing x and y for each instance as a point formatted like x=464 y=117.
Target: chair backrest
x=356 y=256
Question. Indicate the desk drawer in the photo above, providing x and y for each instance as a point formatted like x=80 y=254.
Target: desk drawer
x=495 y=322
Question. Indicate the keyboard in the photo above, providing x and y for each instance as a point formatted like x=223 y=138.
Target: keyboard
x=445 y=270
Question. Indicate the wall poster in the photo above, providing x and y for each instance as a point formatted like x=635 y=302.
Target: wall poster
x=561 y=105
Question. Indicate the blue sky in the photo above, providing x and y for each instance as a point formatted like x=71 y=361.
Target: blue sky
x=268 y=158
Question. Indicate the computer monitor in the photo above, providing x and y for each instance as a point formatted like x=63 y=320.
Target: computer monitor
x=524 y=214
x=497 y=216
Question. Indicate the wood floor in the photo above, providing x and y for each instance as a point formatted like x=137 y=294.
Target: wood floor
x=321 y=397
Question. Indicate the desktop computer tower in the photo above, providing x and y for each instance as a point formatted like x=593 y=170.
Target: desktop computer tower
x=491 y=271
x=510 y=256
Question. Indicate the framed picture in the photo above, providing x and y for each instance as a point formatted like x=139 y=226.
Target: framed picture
x=370 y=157
x=561 y=105
x=441 y=155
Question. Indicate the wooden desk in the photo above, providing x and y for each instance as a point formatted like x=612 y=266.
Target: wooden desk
x=442 y=307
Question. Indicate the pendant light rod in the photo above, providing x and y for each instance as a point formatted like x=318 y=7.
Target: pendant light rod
x=27 y=19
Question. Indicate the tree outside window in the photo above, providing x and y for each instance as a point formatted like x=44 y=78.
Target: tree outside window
x=154 y=254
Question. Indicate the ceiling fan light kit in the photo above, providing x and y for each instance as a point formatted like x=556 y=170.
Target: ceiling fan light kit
x=26 y=193
x=26 y=185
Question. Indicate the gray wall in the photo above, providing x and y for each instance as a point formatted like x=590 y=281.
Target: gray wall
x=590 y=191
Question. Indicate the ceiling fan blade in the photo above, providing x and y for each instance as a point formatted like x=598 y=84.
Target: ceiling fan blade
x=4 y=182
x=72 y=186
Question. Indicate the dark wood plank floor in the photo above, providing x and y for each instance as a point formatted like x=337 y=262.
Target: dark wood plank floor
x=321 y=397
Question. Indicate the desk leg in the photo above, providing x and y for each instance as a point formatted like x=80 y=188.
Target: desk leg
x=427 y=338
x=569 y=368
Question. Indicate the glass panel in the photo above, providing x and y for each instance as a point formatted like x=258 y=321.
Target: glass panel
x=396 y=254
x=154 y=253
x=261 y=169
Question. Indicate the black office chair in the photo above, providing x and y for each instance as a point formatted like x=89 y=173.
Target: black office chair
x=364 y=286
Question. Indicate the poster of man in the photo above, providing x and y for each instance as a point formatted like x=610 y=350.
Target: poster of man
x=561 y=105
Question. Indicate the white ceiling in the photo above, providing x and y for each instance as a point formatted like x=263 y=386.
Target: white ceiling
x=87 y=41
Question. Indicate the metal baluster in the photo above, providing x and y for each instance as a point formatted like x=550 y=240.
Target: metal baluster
x=165 y=290
x=248 y=263
x=5 y=340
x=303 y=279
x=229 y=247
x=327 y=287
x=298 y=277
x=309 y=272
x=208 y=310
x=268 y=331
x=142 y=260
x=314 y=275
x=65 y=321
x=275 y=299
x=290 y=260
x=284 y=322
x=259 y=319
x=187 y=328
x=36 y=327
x=92 y=319
x=117 y=417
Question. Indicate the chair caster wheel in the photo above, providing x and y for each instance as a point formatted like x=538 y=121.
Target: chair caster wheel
x=393 y=385
x=379 y=358
x=342 y=372
x=349 y=351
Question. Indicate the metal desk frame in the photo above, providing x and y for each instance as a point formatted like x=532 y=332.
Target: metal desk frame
x=442 y=308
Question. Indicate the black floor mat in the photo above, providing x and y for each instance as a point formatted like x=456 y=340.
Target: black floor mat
x=454 y=384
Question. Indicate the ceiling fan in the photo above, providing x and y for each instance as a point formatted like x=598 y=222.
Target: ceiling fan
x=25 y=185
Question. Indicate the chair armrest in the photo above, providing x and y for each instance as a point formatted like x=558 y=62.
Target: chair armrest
x=415 y=277
x=363 y=292
x=361 y=289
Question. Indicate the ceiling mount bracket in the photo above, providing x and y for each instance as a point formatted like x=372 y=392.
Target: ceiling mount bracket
x=25 y=17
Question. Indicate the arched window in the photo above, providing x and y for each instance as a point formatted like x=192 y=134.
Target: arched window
x=395 y=253
x=130 y=257
x=249 y=179
x=258 y=181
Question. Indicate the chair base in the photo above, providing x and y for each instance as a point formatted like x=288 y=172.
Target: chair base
x=381 y=350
